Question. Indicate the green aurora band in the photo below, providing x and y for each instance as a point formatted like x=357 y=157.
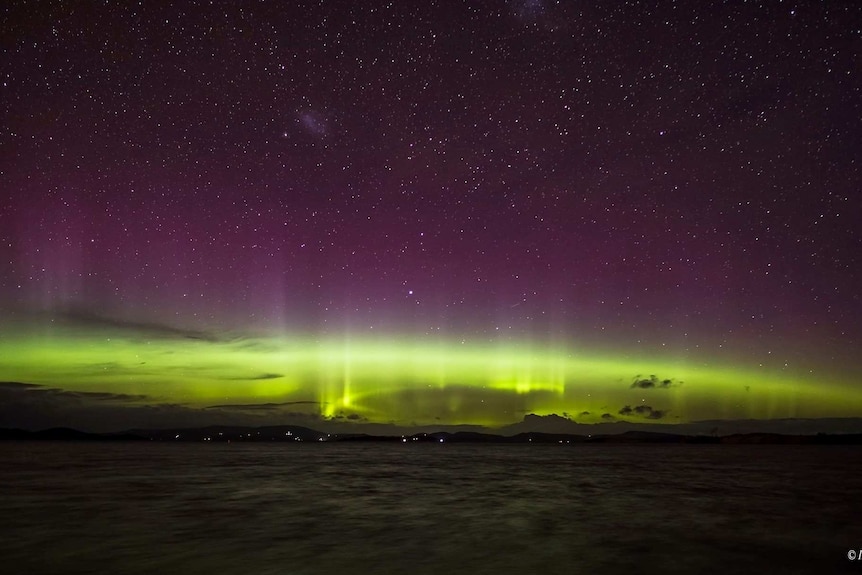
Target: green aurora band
x=406 y=381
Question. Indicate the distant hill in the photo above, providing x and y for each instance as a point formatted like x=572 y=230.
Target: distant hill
x=232 y=433
x=66 y=434
x=292 y=434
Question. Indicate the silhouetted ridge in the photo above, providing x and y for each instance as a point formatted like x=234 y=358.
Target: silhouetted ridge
x=294 y=433
x=66 y=434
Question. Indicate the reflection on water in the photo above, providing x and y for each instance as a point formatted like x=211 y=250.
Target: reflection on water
x=428 y=509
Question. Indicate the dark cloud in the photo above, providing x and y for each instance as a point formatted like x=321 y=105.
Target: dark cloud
x=32 y=406
x=10 y=389
x=350 y=417
x=78 y=317
x=259 y=377
x=262 y=406
x=256 y=345
x=98 y=395
x=649 y=412
x=645 y=411
x=14 y=385
x=652 y=382
x=607 y=416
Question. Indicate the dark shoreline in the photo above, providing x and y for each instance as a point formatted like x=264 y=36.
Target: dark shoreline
x=292 y=434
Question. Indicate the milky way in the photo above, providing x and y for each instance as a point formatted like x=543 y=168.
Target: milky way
x=422 y=212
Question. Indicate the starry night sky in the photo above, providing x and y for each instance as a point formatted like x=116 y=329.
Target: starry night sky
x=414 y=212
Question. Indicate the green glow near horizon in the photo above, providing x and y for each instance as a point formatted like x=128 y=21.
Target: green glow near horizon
x=411 y=381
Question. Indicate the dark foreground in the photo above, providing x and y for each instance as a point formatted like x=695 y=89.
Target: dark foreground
x=425 y=508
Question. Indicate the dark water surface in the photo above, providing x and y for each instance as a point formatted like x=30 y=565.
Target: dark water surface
x=387 y=508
